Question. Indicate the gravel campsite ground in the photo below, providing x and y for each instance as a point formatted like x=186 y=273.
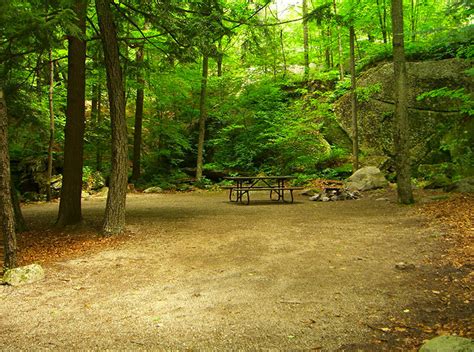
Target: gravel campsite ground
x=196 y=272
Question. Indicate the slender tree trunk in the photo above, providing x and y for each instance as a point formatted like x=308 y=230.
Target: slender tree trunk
x=327 y=48
x=114 y=220
x=38 y=87
x=305 y=39
x=220 y=56
x=137 y=133
x=283 y=53
x=70 y=203
x=98 y=156
x=126 y=50
x=51 y=126
x=355 y=132
x=386 y=31
x=401 y=126
x=382 y=14
x=202 y=116
x=339 y=45
x=20 y=223
x=7 y=217
x=413 y=19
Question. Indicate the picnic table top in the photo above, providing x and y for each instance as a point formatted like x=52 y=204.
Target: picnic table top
x=239 y=178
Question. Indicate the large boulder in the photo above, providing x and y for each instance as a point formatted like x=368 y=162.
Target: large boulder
x=448 y=344
x=23 y=275
x=376 y=107
x=465 y=185
x=367 y=178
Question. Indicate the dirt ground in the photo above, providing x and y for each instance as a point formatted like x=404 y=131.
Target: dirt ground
x=195 y=272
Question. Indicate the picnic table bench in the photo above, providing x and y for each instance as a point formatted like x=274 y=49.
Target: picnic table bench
x=276 y=185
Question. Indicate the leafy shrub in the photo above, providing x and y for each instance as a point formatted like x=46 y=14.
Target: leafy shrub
x=91 y=179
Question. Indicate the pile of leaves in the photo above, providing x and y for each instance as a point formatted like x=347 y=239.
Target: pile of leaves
x=455 y=216
x=450 y=290
x=51 y=245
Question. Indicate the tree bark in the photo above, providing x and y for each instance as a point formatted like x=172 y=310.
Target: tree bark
x=202 y=116
x=283 y=54
x=382 y=20
x=20 y=223
x=7 y=217
x=220 y=56
x=70 y=203
x=413 y=19
x=305 y=39
x=355 y=132
x=327 y=46
x=339 y=44
x=137 y=133
x=98 y=156
x=401 y=127
x=114 y=220
x=51 y=126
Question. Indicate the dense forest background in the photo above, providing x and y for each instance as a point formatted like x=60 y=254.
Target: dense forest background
x=214 y=87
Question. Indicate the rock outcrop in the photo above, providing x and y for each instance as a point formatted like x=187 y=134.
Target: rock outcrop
x=427 y=116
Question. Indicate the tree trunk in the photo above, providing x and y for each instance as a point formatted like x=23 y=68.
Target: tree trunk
x=202 y=116
x=70 y=203
x=7 y=217
x=114 y=220
x=20 y=223
x=339 y=45
x=355 y=132
x=283 y=53
x=382 y=20
x=413 y=19
x=98 y=156
x=327 y=47
x=51 y=126
x=401 y=126
x=305 y=39
x=137 y=133
x=220 y=56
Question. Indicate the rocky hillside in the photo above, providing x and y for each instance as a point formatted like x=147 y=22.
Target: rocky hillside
x=434 y=121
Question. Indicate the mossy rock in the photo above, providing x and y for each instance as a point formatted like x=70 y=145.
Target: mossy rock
x=438 y=181
x=448 y=344
x=23 y=275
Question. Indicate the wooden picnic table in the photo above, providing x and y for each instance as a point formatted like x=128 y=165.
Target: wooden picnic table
x=276 y=185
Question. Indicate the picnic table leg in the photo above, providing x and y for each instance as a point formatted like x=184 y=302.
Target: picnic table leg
x=278 y=194
x=248 y=197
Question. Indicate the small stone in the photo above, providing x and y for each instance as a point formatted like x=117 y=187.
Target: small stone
x=325 y=199
x=23 y=275
x=383 y=199
x=315 y=197
x=404 y=266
